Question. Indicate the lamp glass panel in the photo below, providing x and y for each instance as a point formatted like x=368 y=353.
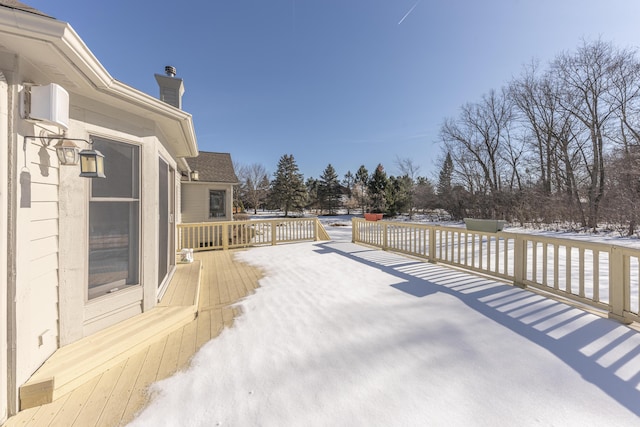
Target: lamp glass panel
x=100 y=165
x=70 y=156
x=88 y=163
x=67 y=152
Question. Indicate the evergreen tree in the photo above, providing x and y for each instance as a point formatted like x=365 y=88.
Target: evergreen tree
x=446 y=173
x=425 y=194
x=409 y=171
x=445 y=185
x=348 y=182
x=361 y=181
x=312 y=194
x=376 y=189
x=329 y=190
x=288 y=191
x=398 y=195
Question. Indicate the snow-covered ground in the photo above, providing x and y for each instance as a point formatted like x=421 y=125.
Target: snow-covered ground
x=340 y=334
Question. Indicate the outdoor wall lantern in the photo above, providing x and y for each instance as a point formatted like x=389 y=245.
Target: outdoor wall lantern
x=194 y=176
x=68 y=152
x=92 y=164
x=91 y=161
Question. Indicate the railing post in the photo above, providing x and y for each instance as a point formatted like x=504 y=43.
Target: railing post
x=385 y=237
x=315 y=230
x=618 y=283
x=273 y=233
x=519 y=263
x=225 y=237
x=354 y=229
x=432 y=245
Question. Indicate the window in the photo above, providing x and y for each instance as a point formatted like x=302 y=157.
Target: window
x=216 y=203
x=114 y=220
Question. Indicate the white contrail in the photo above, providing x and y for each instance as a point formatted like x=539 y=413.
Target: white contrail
x=408 y=13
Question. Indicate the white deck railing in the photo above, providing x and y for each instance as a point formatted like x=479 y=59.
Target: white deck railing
x=600 y=275
x=235 y=234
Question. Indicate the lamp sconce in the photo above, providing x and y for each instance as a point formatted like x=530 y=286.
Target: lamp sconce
x=91 y=161
x=194 y=176
x=92 y=164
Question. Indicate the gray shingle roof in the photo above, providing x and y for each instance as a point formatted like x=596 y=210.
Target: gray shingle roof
x=13 y=4
x=213 y=167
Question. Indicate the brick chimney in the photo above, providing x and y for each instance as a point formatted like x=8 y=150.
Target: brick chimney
x=171 y=87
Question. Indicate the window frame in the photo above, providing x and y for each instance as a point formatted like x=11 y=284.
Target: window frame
x=118 y=287
x=223 y=201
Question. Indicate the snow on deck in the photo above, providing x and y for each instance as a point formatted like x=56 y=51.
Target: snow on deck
x=341 y=334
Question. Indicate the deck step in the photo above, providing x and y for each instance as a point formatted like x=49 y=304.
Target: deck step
x=79 y=362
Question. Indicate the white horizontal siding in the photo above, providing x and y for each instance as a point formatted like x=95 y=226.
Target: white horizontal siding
x=37 y=251
x=195 y=202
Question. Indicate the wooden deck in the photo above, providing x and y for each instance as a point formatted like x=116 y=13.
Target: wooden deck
x=111 y=391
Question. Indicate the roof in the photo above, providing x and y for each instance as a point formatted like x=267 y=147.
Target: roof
x=213 y=167
x=52 y=52
x=13 y=4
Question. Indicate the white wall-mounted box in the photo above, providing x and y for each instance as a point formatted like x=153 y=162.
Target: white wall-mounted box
x=50 y=103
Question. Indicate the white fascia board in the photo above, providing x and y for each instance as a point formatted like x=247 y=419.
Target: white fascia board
x=104 y=82
x=176 y=123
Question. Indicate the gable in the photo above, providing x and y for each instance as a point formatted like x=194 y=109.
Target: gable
x=213 y=167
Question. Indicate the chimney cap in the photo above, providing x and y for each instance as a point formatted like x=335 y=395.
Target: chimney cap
x=170 y=70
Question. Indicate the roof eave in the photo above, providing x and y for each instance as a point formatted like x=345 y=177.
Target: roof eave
x=175 y=123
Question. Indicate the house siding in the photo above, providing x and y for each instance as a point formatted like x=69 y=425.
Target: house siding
x=36 y=256
x=44 y=207
x=195 y=202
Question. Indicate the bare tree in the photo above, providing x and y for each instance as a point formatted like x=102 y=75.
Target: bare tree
x=624 y=95
x=585 y=81
x=536 y=100
x=550 y=151
x=476 y=141
x=254 y=184
x=410 y=170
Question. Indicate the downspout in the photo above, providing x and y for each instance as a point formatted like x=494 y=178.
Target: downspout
x=4 y=344
x=12 y=196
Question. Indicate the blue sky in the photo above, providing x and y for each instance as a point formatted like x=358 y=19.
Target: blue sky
x=346 y=82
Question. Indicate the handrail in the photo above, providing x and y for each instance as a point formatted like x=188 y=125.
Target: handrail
x=600 y=275
x=235 y=234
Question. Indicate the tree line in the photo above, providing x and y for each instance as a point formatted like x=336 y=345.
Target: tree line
x=327 y=195
x=556 y=144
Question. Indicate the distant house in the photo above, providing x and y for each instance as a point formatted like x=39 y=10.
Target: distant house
x=80 y=254
x=207 y=191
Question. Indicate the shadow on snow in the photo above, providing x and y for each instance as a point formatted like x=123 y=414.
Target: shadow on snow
x=606 y=353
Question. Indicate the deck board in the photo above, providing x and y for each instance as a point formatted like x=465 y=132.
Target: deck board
x=92 y=410
x=116 y=395
x=147 y=375
x=117 y=401
x=169 y=359
x=203 y=332
x=77 y=400
x=188 y=344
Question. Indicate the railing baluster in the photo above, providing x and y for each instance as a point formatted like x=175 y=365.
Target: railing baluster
x=499 y=246
x=596 y=275
x=567 y=284
x=581 y=272
x=544 y=263
x=556 y=266
x=534 y=261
